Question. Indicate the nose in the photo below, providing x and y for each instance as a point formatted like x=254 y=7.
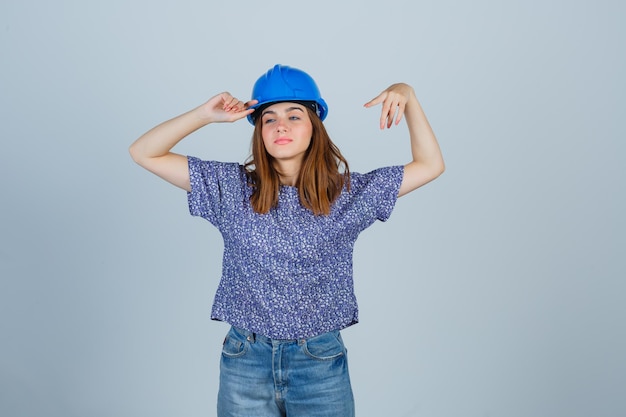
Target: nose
x=281 y=126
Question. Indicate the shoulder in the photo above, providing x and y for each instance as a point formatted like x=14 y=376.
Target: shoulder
x=390 y=175
x=372 y=195
x=214 y=165
x=217 y=169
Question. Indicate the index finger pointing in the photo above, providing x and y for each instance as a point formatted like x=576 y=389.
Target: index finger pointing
x=376 y=100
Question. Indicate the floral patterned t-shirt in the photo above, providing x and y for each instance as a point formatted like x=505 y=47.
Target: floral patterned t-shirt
x=287 y=274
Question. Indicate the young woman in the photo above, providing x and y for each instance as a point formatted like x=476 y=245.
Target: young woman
x=289 y=218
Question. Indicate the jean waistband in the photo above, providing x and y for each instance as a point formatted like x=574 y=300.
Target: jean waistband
x=256 y=337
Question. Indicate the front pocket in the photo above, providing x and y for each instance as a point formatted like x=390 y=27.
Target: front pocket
x=325 y=347
x=235 y=345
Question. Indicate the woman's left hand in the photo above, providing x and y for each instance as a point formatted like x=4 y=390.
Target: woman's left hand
x=394 y=100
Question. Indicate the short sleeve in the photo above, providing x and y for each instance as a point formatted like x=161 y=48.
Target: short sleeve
x=378 y=190
x=214 y=185
x=387 y=182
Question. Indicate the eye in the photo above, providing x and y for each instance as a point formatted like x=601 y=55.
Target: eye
x=294 y=117
x=268 y=120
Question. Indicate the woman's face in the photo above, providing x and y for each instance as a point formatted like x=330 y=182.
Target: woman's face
x=286 y=130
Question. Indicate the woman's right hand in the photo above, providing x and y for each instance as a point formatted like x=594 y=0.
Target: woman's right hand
x=225 y=108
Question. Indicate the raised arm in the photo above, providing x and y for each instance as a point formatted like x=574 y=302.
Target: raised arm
x=153 y=149
x=427 y=162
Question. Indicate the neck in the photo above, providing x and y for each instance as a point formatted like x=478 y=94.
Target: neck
x=288 y=172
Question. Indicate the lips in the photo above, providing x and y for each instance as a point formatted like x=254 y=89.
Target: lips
x=282 y=141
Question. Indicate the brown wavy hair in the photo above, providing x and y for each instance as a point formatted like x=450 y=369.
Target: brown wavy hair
x=319 y=181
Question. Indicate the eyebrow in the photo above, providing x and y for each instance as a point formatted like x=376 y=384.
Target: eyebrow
x=287 y=110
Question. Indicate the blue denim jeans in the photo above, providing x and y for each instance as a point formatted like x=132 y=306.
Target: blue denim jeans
x=262 y=377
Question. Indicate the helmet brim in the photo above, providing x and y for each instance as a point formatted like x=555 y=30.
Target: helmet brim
x=319 y=106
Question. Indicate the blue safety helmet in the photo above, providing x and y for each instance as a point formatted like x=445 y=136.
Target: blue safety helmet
x=283 y=83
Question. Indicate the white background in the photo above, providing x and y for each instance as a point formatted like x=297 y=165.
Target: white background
x=498 y=290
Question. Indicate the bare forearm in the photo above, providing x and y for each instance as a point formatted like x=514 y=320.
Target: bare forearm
x=160 y=140
x=427 y=161
x=424 y=146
